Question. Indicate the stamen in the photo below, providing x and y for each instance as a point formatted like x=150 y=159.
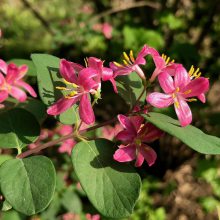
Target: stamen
x=188 y=92
x=177 y=104
x=177 y=89
x=125 y=62
x=132 y=56
x=86 y=61
x=168 y=59
x=126 y=57
x=73 y=93
x=192 y=100
x=66 y=82
x=194 y=73
x=61 y=88
x=118 y=64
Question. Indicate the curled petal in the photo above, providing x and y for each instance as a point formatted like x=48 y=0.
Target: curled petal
x=196 y=87
x=160 y=100
x=107 y=74
x=126 y=136
x=95 y=63
x=62 y=105
x=159 y=62
x=77 y=67
x=139 y=159
x=202 y=98
x=127 y=124
x=125 y=153
x=181 y=77
x=166 y=82
x=3 y=95
x=148 y=153
x=67 y=71
x=22 y=71
x=140 y=57
x=86 y=79
x=85 y=110
x=26 y=87
x=114 y=85
x=183 y=112
x=121 y=70
x=18 y=94
x=3 y=66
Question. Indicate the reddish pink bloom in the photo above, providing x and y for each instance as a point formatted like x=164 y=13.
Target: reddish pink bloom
x=107 y=30
x=92 y=217
x=136 y=135
x=70 y=216
x=12 y=82
x=82 y=85
x=131 y=64
x=178 y=90
x=67 y=145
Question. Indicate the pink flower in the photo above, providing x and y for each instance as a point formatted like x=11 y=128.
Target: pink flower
x=92 y=217
x=107 y=30
x=131 y=64
x=82 y=85
x=67 y=145
x=70 y=216
x=135 y=135
x=177 y=91
x=11 y=82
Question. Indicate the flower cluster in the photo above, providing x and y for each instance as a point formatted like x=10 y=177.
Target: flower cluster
x=11 y=82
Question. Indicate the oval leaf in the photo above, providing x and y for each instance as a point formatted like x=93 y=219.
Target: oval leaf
x=18 y=128
x=112 y=187
x=28 y=184
x=49 y=78
x=190 y=135
x=129 y=88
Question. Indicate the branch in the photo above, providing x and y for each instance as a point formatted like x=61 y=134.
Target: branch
x=124 y=7
x=38 y=16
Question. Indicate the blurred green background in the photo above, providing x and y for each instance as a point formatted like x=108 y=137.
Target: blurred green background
x=182 y=185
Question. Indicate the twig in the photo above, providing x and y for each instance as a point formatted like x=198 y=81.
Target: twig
x=38 y=16
x=154 y=5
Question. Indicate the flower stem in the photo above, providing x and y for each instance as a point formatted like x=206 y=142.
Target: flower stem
x=54 y=142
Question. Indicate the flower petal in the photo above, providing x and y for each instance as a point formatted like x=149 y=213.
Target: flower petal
x=125 y=153
x=148 y=153
x=22 y=71
x=17 y=93
x=3 y=66
x=107 y=73
x=61 y=105
x=85 y=110
x=137 y=121
x=126 y=136
x=166 y=82
x=183 y=112
x=181 y=77
x=26 y=87
x=127 y=124
x=112 y=80
x=139 y=159
x=12 y=73
x=202 y=98
x=3 y=95
x=140 y=57
x=196 y=87
x=160 y=100
x=67 y=71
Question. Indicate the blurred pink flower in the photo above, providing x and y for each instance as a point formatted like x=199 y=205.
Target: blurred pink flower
x=67 y=145
x=70 y=216
x=177 y=91
x=92 y=217
x=135 y=136
x=82 y=84
x=107 y=30
x=11 y=82
x=110 y=132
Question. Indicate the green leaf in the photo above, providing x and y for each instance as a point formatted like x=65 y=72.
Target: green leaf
x=129 y=88
x=112 y=187
x=18 y=128
x=190 y=135
x=4 y=157
x=71 y=201
x=31 y=68
x=28 y=184
x=49 y=78
x=6 y=206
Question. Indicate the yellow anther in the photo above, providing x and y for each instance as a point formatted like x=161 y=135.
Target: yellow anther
x=173 y=61
x=188 y=92
x=61 y=88
x=138 y=141
x=74 y=85
x=198 y=75
x=71 y=94
x=66 y=82
x=192 y=100
x=117 y=64
x=177 y=105
x=168 y=59
x=173 y=95
x=177 y=89
x=194 y=73
x=126 y=57
x=86 y=61
x=125 y=62
x=132 y=56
